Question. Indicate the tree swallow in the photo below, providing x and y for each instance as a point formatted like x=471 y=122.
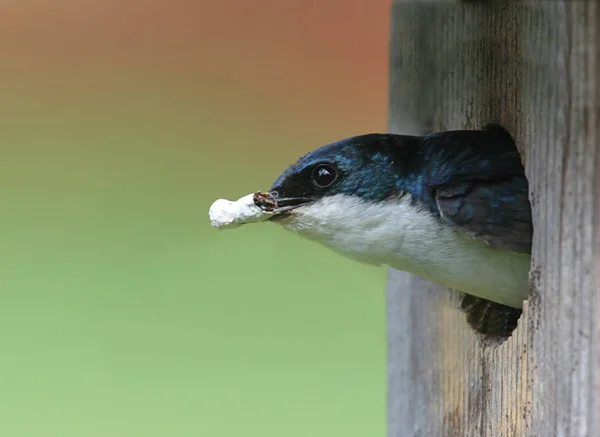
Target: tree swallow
x=451 y=207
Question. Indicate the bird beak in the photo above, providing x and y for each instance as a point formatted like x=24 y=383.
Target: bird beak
x=279 y=206
x=285 y=204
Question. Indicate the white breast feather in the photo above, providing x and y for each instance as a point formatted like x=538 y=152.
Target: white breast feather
x=403 y=236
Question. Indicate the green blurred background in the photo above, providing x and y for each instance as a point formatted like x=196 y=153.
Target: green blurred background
x=122 y=312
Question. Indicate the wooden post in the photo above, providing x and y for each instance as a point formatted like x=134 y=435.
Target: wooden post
x=534 y=67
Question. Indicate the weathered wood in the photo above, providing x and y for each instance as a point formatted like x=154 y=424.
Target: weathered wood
x=535 y=68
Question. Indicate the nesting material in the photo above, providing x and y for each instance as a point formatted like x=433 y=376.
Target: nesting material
x=252 y=208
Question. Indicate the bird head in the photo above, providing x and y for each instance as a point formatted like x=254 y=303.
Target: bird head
x=340 y=193
x=365 y=167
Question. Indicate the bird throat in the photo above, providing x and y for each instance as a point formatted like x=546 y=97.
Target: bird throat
x=403 y=235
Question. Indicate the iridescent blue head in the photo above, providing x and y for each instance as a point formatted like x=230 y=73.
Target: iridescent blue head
x=372 y=167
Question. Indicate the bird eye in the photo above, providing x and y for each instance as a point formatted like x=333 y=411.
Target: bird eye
x=324 y=175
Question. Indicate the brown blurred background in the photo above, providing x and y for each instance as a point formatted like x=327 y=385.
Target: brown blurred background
x=122 y=312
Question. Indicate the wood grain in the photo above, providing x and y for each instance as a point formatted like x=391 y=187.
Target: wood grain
x=534 y=67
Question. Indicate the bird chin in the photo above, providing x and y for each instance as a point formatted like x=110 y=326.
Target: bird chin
x=280 y=217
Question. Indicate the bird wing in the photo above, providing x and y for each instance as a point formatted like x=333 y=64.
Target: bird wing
x=499 y=214
x=477 y=182
x=496 y=212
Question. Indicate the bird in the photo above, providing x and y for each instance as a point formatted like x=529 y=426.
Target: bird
x=452 y=207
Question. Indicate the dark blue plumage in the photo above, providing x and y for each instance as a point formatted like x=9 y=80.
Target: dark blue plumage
x=367 y=167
